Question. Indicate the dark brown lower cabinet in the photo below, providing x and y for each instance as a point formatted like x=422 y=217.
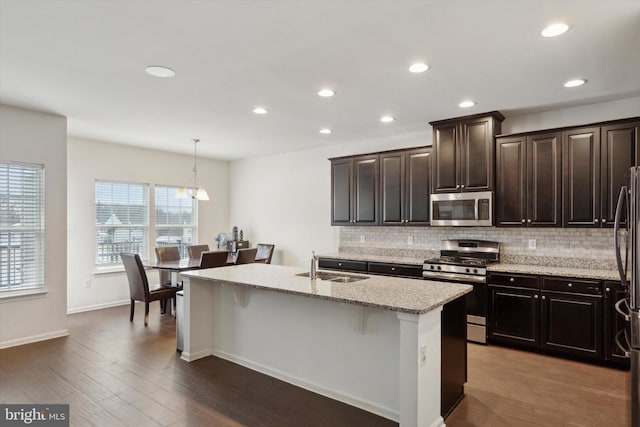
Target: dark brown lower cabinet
x=563 y=316
x=453 y=355
x=514 y=315
x=571 y=324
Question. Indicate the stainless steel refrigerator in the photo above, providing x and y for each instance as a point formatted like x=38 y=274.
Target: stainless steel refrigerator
x=628 y=238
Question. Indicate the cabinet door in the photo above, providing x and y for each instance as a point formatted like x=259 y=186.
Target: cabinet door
x=544 y=185
x=341 y=191
x=571 y=324
x=392 y=185
x=619 y=152
x=511 y=181
x=581 y=186
x=445 y=175
x=365 y=204
x=613 y=323
x=477 y=155
x=418 y=187
x=514 y=315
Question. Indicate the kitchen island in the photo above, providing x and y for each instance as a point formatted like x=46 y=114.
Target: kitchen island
x=374 y=343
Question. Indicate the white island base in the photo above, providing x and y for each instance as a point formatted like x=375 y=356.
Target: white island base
x=382 y=361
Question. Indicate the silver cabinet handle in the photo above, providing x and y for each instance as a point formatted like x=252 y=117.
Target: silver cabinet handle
x=543 y=297
x=608 y=289
x=511 y=279
x=457 y=185
x=604 y=221
x=529 y=220
x=596 y=220
x=536 y=296
x=393 y=269
x=523 y=220
x=570 y=285
x=462 y=186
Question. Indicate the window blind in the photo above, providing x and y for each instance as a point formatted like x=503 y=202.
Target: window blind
x=22 y=201
x=122 y=220
x=176 y=219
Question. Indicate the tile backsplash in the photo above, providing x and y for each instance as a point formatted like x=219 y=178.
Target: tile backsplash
x=575 y=247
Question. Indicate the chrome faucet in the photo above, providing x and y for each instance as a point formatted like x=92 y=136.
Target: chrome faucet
x=314 y=261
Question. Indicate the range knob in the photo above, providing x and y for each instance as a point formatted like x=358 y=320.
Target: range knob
x=466 y=270
x=439 y=268
x=433 y=267
x=475 y=270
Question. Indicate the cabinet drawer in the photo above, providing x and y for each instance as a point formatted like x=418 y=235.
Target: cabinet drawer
x=581 y=286
x=342 y=264
x=395 y=269
x=519 y=280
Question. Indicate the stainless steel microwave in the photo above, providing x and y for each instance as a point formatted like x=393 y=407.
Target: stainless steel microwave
x=462 y=209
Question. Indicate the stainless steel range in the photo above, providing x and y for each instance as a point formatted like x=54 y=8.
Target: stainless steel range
x=465 y=261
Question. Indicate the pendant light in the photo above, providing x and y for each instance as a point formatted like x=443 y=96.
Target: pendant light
x=195 y=192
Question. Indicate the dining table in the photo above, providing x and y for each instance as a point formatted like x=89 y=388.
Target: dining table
x=184 y=264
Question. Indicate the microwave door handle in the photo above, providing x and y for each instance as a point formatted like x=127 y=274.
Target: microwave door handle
x=475 y=210
x=622 y=269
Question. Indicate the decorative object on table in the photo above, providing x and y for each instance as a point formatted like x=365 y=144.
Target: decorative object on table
x=195 y=191
x=241 y=235
x=222 y=239
x=234 y=233
x=139 y=287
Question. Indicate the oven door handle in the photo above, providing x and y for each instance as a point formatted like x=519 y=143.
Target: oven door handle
x=454 y=277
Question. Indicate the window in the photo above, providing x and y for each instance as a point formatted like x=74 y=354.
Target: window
x=122 y=221
x=176 y=220
x=21 y=226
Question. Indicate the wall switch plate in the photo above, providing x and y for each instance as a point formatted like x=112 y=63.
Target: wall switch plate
x=410 y=240
x=423 y=355
x=361 y=239
x=532 y=243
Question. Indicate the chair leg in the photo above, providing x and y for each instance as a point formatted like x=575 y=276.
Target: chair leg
x=146 y=313
x=133 y=308
x=163 y=306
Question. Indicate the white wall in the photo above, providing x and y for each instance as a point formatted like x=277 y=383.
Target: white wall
x=89 y=160
x=285 y=199
x=39 y=138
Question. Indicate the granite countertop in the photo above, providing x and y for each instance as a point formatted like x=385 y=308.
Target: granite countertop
x=388 y=293
x=508 y=267
x=376 y=258
x=586 y=273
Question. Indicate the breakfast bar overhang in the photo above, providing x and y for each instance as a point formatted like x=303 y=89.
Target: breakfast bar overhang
x=374 y=343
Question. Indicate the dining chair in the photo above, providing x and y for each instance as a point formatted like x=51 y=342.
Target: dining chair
x=196 y=250
x=265 y=252
x=246 y=256
x=139 y=286
x=168 y=253
x=212 y=259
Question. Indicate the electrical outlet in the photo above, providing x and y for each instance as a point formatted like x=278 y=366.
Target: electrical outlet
x=410 y=240
x=423 y=355
x=532 y=243
x=361 y=239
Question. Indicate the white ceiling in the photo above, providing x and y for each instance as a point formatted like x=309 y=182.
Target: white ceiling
x=86 y=60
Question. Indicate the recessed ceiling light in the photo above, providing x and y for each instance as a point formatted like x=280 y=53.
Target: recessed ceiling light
x=160 y=71
x=575 y=83
x=418 y=67
x=386 y=119
x=554 y=30
x=260 y=110
x=326 y=93
x=325 y=131
x=466 y=104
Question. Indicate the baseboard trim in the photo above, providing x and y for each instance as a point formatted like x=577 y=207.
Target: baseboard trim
x=98 y=306
x=34 y=338
x=190 y=357
x=332 y=394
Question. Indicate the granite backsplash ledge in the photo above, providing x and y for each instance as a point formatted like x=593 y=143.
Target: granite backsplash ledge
x=558 y=247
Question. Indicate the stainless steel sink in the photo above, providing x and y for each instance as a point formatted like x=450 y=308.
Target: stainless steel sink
x=335 y=277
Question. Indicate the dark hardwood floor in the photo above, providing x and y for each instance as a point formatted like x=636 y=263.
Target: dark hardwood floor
x=114 y=373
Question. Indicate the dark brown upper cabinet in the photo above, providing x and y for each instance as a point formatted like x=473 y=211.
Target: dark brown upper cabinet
x=354 y=190
x=464 y=152
x=405 y=187
x=596 y=163
x=528 y=180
